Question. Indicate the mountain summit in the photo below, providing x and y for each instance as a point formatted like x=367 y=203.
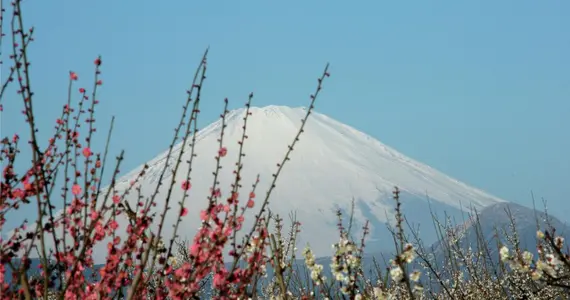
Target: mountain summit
x=332 y=165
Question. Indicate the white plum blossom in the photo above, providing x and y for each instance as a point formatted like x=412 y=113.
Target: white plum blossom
x=397 y=274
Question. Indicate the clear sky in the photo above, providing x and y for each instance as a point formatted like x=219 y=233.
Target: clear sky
x=477 y=89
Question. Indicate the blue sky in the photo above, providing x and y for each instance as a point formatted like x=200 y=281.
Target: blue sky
x=476 y=89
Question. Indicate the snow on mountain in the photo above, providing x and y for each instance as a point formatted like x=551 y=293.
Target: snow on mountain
x=330 y=154
x=332 y=164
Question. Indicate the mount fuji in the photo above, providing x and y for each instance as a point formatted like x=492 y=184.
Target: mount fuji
x=332 y=166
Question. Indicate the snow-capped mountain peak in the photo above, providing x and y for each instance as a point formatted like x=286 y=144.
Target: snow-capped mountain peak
x=332 y=165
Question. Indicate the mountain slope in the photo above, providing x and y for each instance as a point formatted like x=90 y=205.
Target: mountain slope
x=332 y=165
x=494 y=222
